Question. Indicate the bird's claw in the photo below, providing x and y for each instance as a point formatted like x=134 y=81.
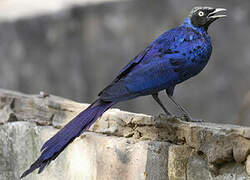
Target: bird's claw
x=167 y=116
x=188 y=118
x=185 y=117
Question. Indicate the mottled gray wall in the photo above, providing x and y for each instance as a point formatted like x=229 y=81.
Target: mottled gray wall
x=75 y=53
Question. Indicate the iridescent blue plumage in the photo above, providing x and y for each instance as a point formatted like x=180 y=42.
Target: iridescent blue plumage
x=172 y=58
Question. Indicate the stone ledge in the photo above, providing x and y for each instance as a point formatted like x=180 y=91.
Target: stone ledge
x=103 y=157
x=221 y=148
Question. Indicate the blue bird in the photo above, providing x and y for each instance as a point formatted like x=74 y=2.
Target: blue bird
x=172 y=58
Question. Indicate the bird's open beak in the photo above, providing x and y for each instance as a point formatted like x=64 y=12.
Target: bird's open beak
x=215 y=15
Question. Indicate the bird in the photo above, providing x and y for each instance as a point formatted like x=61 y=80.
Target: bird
x=175 y=56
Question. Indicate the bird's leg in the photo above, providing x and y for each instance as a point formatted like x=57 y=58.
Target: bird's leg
x=183 y=110
x=156 y=98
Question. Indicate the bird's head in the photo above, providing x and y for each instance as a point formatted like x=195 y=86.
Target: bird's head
x=204 y=16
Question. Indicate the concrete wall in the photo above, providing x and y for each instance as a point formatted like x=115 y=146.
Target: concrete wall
x=76 y=52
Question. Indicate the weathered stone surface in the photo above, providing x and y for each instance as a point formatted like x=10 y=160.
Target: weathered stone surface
x=197 y=169
x=248 y=165
x=19 y=146
x=76 y=52
x=122 y=144
x=92 y=156
x=177 y=162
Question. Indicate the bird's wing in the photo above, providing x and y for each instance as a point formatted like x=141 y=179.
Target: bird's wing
x=163 y=41
x=155 y=48
x=136 y=60
x=125 y=70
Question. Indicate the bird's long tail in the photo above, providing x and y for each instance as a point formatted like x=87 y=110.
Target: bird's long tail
x=55 y=145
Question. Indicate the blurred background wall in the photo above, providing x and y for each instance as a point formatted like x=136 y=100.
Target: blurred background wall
x=75 y=48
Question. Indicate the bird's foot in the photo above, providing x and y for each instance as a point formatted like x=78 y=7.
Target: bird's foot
x=185 y=117
x=188 y=118
x=168 y=116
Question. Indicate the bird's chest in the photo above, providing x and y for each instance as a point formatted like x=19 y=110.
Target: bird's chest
x=191 y=59
x=199 y=53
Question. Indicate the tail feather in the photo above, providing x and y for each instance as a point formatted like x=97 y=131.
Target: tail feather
x=74 y=126
x=55 y=145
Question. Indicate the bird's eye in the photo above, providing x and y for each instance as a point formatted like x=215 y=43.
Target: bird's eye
x=201 y=13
